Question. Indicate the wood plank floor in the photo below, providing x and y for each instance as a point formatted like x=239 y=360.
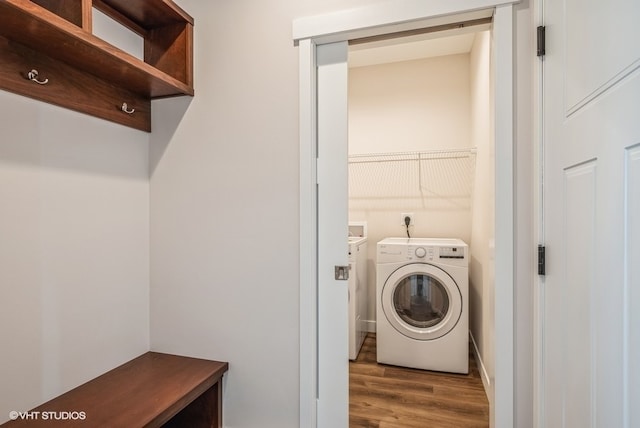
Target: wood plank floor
x=383 y=396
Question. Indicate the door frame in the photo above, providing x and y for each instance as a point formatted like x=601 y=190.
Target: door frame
x=389 y=17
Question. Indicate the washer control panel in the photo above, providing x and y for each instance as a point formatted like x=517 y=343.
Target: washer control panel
x=422 y=253
x=449 y=251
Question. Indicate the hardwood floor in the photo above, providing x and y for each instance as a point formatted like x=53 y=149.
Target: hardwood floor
x=383 y=396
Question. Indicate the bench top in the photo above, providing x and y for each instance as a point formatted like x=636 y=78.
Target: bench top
x=144 y=392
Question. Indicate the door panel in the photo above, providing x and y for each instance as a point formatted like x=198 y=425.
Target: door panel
x=579 y=208
x=333 y=322
x=592 y=131
x=598 y=40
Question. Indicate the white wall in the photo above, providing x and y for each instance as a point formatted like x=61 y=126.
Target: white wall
x=74 y=249
x=481 y=266
x=224 y=207
x=409 y=105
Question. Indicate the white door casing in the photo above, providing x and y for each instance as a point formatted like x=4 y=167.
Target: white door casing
x=591 y=292
x=388 y=17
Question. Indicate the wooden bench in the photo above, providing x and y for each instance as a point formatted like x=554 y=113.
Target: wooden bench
x=153 y=390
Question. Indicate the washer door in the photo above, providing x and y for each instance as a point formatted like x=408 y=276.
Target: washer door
x=421 y=301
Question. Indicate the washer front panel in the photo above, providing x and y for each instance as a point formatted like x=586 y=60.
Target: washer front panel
x=421 y=301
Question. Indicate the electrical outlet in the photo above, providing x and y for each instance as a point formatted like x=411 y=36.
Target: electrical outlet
x=403 y=216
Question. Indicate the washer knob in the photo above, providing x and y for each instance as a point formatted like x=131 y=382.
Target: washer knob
x=421 y=252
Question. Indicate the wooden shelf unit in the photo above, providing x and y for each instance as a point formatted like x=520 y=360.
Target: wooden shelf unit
x=152 y=390
x=84 y=72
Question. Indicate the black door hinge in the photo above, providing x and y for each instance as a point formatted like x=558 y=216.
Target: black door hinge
x=541 y=41
x=541 y=260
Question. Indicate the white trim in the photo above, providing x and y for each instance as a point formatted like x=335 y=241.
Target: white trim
x=538 y=281
x=308 y=238
x=503 y=32
x=382 y=19
x=396 y=15
x=486 y=382
x=371 y=326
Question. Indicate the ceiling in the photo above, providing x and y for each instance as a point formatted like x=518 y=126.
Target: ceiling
x=449 y=42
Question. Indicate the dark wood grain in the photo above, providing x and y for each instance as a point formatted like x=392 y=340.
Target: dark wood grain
x=383 y=396
x=200 y=413
x=151 y=14
x=145 y=392
x=69 y=87
x=44 y=31
x=71 y=10
x=119 y=17
x=170 y=50
x=91 y=75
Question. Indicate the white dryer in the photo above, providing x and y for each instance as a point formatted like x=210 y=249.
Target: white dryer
x=422 y=303
x=358 y=295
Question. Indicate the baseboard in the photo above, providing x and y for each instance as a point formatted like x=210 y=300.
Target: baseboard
x=371 y=325
x=486 y=382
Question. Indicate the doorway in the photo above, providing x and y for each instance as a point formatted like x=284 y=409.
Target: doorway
x=420 y=143
x=311 y=34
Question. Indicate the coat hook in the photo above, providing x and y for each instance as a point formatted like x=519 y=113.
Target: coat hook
x=125 y=108
x=33 y=76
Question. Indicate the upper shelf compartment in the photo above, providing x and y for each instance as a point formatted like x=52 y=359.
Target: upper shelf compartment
x=61 y=32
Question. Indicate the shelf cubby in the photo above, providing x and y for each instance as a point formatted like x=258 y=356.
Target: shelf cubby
x=86 y=73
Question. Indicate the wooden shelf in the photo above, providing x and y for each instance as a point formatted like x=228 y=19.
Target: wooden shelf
x=58 y=32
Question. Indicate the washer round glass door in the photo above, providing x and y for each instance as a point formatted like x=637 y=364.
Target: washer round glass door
x=421 y=301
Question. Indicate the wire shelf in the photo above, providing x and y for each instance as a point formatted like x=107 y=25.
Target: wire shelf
x=434 y=180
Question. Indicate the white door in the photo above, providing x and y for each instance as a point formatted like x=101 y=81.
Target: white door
x=333 y=232
x=591 y=313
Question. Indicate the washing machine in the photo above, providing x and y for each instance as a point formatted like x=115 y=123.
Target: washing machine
x=422 y=318
x=358 y=294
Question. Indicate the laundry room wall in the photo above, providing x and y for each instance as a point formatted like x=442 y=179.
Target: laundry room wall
x=481 y=266
x=409 y=105
x=420 y=105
